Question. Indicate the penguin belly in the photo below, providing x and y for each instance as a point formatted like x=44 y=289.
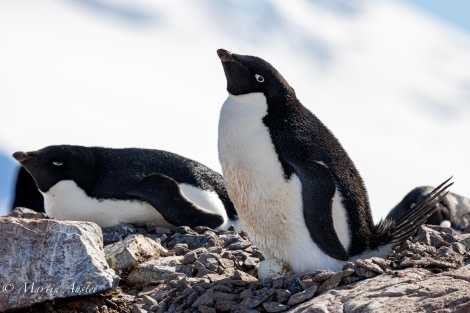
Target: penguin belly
x=269 y=205
x=67 y=201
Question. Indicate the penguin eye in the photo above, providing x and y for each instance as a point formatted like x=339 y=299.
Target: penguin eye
x=259 y=78
x=55 y=163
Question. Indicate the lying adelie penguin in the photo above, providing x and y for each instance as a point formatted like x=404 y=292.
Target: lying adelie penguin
x=296 y=191
x=112 y=186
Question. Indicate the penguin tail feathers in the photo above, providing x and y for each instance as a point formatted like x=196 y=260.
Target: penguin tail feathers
x=391 y=231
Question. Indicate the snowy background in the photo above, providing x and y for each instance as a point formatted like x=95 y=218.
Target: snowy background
x=391 y=79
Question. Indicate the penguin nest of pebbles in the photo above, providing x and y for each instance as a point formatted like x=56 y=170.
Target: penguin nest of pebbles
x=217 y=271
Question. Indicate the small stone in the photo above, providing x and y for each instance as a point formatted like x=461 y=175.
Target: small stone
x=206 y=309
x=351 y=279
x=282 y=295
x=117 y=233
x=323 y=275
x=131 y=251
x=223 y=296
x=347 y=272
x=136 y=308
x=242 y=309
x=384 y=264
x=178 y=280
x=369 y=265
x=184 y=230
x=226 y=263
x=458 y=247
x=365 y=272
x=180 y=249
x=224 y=305
x=307 y=283
x=445 y=252
x=259 y=297
x=207 y=298
x=302 y=296
x=246 y=293
x=154 y=271
x=275 y=307
x=294 y=286
x=202 y=229
x=240 y=245
x=149 y=300
x=332 y=282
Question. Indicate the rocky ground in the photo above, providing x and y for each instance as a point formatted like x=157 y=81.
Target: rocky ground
x=202 y=270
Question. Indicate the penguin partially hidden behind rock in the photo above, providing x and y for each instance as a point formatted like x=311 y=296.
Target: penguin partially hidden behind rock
x=296 y=191
x=112 y=186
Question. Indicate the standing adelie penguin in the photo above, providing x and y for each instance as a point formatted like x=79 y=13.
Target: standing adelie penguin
x=113 y=186
x=296 y=191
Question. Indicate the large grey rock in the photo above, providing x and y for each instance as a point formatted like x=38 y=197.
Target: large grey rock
x=46 y=259
x=409 y=290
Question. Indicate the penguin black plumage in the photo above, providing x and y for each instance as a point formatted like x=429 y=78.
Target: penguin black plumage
x=297 y=192
x=112 y=186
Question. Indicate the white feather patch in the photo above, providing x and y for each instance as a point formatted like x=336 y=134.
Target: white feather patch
x=67 y=201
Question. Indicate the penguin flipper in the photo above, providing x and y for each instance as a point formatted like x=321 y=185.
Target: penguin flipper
x=318 y=189
x=164 y=194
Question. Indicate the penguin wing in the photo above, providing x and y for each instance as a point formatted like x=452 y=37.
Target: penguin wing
x=318 y=189
x=164 y=194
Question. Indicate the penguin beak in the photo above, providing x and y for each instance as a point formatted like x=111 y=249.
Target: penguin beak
x=22 y=157
x=225 y=56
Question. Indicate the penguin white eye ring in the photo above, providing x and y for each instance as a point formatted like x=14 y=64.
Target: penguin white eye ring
x=259 y=78
x=56 y=163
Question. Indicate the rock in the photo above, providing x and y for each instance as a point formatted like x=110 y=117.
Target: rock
x=273 y=269
x=131 y=251
x=275 y=307
x=46 y=259
x=302 y=296
x=331 y=282
x=206 y=299
x=153 y=271
x=369 y=265
x=117 y=233
x=414 y=290
x=26 y=213
x=258 y=298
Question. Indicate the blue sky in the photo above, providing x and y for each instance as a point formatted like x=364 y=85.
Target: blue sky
x=454 y=12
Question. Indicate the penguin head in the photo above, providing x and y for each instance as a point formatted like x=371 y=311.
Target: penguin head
x=248 y=74
x=53 y=164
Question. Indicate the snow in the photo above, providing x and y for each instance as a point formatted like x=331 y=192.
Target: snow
x=391 y=82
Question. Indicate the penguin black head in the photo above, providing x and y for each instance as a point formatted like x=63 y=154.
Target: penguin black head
x=52 y=164
x=247 y=74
